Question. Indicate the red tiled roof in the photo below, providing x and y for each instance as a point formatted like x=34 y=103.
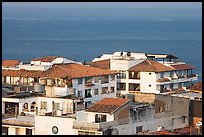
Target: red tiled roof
x=103 y=64
x=163 y=80
x=10 y=63
x=150 y=66
x=75 y=71
x=107 y=105
x=196 y=86
x=182 y=66
x=46 y=59
x=22 y=73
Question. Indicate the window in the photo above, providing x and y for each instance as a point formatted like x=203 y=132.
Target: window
x=25 y=107
x=121 y=86
x=4 y=130
x=79 y=93
x=122 y=75
x=134 y=87
x=88 y=79
x=112 y=89
x=138 y=129
x=96 y=79
x=100 y=118
x=28 y=131
x=150 y=73
x=86 y=133
x=183 y=119
x=104 y=79
x=32 y=107
x=80 y=80
x=43 y=105
x=162 y=75
x=95 y=91
x=56 y=106
x=112 y=77
x=87 y=93
x=104 y=90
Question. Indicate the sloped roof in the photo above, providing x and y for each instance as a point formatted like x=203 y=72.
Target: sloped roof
x=46 y=59
x=182 y=66
x=75 y=71
x=22 y=73
x=107 y=105
x=10 y=63
x=103 y=64
x=150 y=66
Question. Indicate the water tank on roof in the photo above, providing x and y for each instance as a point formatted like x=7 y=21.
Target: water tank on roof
x=128 y=54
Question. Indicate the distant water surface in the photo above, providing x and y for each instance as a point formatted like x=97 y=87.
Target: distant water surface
x=84 y=33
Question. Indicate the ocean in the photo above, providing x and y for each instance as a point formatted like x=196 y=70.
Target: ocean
x=82 y=32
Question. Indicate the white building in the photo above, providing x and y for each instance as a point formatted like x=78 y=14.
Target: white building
x=89 y=83
x=44 y=63
x=150 y=73
x=20 y=125
x=98 y=118
x=115 y=116
x=11 y=64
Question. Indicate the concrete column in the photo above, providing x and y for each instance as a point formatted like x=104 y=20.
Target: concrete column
x=20 y=108
x=3 y=107
x=127 y=84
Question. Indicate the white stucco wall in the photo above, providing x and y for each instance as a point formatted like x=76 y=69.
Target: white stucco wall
x=64 y=125
x=66 y=105
x=123 y=64
x=82 y=87
x=34 y=67
x=90 y=116
x=147 y=80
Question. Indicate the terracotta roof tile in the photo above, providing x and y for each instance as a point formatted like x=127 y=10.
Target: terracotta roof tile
x=107 y=105
x=22 y=73
x=196 y=86
x=10 y=63
x=150 y=66
x=103 y=64
x=75 y=71
x=46 y=59
x=182 y=66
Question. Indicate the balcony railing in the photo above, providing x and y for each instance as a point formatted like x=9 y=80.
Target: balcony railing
x=97 y=126
x=186 y=78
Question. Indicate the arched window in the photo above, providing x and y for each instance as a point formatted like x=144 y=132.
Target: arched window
x=25 y=107
x=32 y=107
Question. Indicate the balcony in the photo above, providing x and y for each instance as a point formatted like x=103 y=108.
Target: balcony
x=89 y=84
x=98 y=126
x=185 y=78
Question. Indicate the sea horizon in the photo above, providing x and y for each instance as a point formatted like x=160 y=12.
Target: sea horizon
x=82 y=33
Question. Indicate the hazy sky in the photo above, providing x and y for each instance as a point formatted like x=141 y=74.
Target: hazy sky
x=43 y=9
x=111 y=4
